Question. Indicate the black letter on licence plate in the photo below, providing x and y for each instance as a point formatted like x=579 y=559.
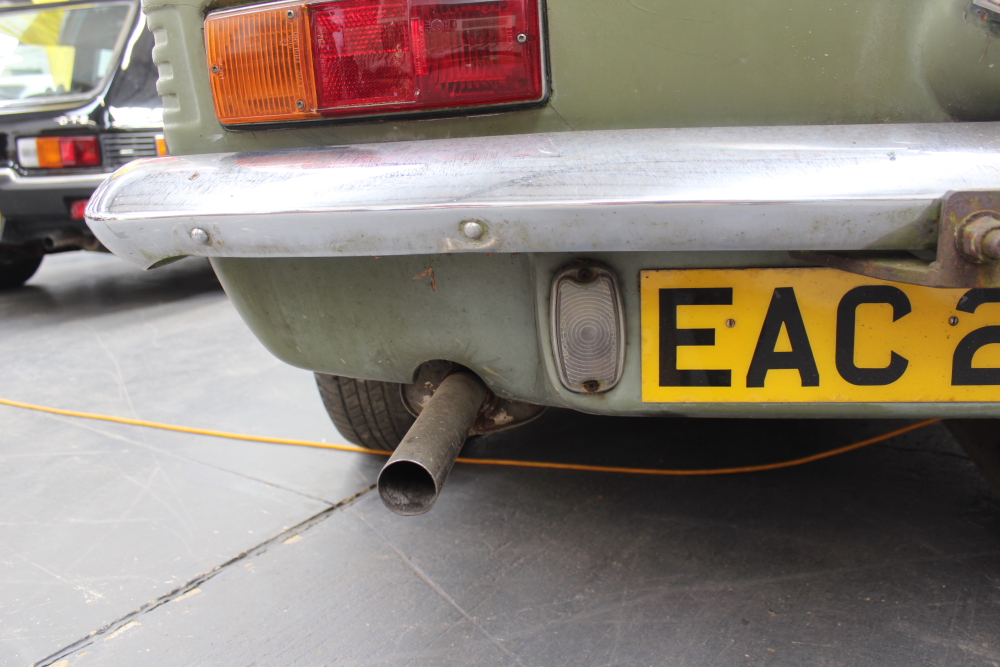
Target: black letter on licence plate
x=784 y=309
x=671 y=337
x=847 y=313
x=962 y=372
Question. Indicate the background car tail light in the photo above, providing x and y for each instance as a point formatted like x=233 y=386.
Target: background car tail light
x=58 y=152
x=77 y=208
x=588 y=328
x=364 y=57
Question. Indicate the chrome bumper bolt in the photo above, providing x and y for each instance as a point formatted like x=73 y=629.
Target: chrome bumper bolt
x=199 y=236
x=472 y=230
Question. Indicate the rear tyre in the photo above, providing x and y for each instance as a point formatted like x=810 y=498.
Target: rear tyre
x=367 y=413
x=16 y=267
x=980 y=438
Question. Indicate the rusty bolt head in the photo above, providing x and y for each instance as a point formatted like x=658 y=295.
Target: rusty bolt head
x=979 y=238
x=991 y=244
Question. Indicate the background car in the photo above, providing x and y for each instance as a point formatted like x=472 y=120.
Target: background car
x=77 y=100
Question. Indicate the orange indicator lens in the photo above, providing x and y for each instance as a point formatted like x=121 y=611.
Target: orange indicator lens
x=49 y=153
x=260 y=64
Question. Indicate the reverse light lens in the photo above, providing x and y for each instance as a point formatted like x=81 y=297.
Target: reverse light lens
x=58 y=152
x=588 y=328
x=291 y=61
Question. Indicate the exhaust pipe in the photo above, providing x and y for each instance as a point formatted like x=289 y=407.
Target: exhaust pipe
x=69 y=240
x=412 y=479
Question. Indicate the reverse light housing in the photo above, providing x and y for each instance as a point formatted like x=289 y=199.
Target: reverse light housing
x=588 y=328
x=58 y=152
x=296 y=61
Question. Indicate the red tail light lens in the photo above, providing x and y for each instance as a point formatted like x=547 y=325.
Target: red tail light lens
x=77 y=208
x=478 y=52
x=362 y=53
x=370 y=57
x=79 y=151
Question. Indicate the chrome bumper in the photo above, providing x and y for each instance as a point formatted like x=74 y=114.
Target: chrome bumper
x=12 y=181
x=765 y=188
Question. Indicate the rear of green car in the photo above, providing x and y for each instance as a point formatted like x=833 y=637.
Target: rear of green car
x=645 y=207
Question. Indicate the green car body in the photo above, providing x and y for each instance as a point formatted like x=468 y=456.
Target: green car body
x=612 y=65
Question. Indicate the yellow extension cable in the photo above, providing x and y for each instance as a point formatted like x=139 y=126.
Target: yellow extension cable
x=493 y=462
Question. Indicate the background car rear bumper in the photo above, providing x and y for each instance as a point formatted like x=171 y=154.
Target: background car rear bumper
x=720 y=189
x=38 y=197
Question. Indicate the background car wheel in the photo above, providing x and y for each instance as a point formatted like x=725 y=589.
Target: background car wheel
x=16 y=267
x=368 y=413
x=980 y=438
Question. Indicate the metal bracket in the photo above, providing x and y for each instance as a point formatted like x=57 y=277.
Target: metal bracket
x=496 y=414
x=968 y=248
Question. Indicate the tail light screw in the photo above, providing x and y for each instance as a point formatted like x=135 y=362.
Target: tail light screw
x=473 y=230
x=300 y=104
x=215 y=69
x=290 y=14
x=199 y=236
x=522 y=38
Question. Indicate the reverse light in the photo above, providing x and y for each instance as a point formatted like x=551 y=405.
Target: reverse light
x=295 y=61
x=588 y=328
x=58 y=152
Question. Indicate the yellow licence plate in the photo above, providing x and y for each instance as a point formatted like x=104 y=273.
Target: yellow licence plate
x=814 y=336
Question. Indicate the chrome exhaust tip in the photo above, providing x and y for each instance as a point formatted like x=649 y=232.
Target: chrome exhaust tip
x=412 y=479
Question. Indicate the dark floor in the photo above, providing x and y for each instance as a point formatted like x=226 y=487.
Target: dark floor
x=128 y=546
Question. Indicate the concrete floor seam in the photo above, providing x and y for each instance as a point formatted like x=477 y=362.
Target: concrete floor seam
x=119 y=623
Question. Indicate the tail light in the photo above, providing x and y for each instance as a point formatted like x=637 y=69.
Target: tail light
x=77 y=208
x=293 y=61
x=58 y=152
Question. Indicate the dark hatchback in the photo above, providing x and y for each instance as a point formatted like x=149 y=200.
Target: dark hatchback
x=77 y=100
